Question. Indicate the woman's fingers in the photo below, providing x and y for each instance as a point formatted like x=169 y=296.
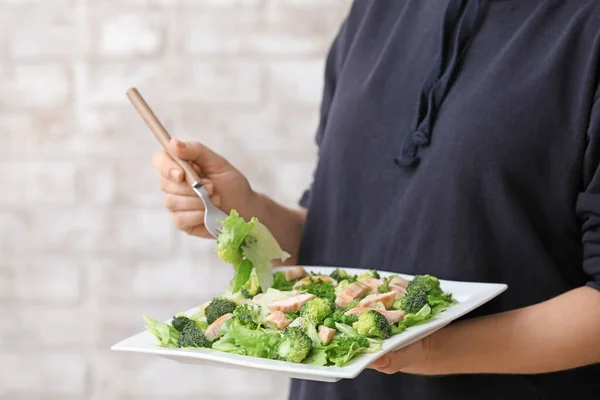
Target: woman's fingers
x=187 y=220
x=412 y=359
x=168 y=186
x=199 y=231
x=191 y=222
x=168 y=168
x=209 y=161
x=187 y=209
x=176 y=202
x=182 y=188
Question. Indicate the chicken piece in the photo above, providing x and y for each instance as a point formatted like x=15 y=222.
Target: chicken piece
x=278 y=319
x=326 y=334
x=400 y=282
x=294 y=273
x=387 y=299
x=357 y=311
x=314 y=278
x=258 y=299
x=373 y=284
x=398 y=290
x=354 y=291
x=392 y=316
x=214 y=330
x=290 y=304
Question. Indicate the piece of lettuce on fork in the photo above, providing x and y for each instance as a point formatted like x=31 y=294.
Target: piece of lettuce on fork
x=248 y=246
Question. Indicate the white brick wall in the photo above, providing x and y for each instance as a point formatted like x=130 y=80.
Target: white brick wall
x=86 y=247
x=24 y=85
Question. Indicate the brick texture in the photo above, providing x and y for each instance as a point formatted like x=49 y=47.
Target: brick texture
x=86 y=247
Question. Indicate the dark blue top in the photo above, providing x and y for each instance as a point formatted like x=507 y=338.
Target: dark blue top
x=462 y=139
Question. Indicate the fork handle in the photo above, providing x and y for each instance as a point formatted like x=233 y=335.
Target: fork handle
x=161 y=135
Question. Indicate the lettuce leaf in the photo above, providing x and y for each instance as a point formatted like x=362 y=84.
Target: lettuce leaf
x=242 y=275
x=253 y=342
x=439 y=302
x=232 y=237
x=165 y=334
x=346 y=330
x=316 y=357
x=311 y=331
x=343 y=349
x=228 y=346
x=424 y=314
x=229 y=247
x=261 y=248
x=349 y=344
x=248 y=246
x=421 y=316
x=280 y=283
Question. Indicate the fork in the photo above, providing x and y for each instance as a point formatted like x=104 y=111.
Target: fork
x=212 y=215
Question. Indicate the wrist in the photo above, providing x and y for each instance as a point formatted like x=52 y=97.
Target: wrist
x=258 y=206
x=434 y=346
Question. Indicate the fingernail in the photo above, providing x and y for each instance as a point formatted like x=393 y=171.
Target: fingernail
x=180 y=144
x=209 y=187
x=175 y=174
x=216 y=199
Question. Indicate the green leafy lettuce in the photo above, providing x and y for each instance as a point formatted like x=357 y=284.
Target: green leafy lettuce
x=239 y=339
x=165 y=334
x=439 y=302
x=410 y=319
x=247 y=246
x=261 y=248
x=281 y=283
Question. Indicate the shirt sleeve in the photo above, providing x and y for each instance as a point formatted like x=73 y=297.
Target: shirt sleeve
x=588 y=201
x=333 y=65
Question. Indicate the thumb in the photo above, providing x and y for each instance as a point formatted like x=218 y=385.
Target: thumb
x=208 y=161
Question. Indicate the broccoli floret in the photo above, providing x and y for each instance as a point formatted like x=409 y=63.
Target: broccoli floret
x=251 y=288
x=341 y=275
x=317 y=309
x=320 y=288
x=247 y=315
x=341 y=317
x=218 y=306
x=191 y=337
x=295 y=345
x=429 y=284
x=385 y=285
x=181 y=321
x=373 y=324
x=366 y=275
x=414 y=300
x=247 y=321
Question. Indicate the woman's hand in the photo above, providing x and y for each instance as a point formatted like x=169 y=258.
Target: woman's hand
x=228 y=188
x=412 y=359
x=555 y=335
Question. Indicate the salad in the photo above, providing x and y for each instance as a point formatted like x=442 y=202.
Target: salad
x=296 y=316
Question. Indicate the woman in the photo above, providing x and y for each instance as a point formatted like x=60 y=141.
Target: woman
x=462 y=139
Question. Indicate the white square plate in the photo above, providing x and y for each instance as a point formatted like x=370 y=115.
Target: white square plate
x=469 y=295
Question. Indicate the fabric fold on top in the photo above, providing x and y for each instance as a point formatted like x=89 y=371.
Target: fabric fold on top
x=461 y=21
